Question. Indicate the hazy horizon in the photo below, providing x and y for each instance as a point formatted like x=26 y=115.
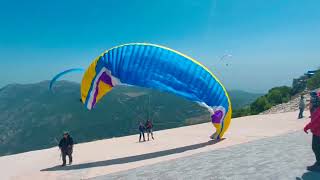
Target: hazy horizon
x=76 y=82
x=271 y=42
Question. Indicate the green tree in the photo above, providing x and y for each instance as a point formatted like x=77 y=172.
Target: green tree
x=314 y=81
x=274 y=97
x=299 y=85
x=260 y=105
x=246 y=111
x=279 y=95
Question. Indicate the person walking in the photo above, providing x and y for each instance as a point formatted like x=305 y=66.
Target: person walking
x=302 y=106
x=66 y=148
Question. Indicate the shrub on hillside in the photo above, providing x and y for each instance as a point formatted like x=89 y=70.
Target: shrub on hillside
x=299 y=85
x=279 y=95
x=275 y=96
x=260 y=105
x=241 y=112
x=314 y=81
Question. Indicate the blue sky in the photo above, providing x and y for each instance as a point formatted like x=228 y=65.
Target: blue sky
x=271 y=41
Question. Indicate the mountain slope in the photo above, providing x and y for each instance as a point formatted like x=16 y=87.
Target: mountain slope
x=240 y=98
x=33 y=118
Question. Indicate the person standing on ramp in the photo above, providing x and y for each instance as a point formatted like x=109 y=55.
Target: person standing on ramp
x=66 y=147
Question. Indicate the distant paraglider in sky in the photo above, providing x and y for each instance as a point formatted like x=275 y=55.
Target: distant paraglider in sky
x=58 y=76
x=221 y=65
x=160 y=68
x=224 y=57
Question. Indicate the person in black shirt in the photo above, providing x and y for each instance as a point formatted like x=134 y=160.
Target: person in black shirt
x=66 y=147
x=302 y=106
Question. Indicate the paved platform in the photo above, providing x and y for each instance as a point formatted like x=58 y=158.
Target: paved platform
x=114 y=155
x=283 y=157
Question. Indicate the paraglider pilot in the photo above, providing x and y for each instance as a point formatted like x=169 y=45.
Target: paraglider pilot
x=314 y=126
x=66 y=147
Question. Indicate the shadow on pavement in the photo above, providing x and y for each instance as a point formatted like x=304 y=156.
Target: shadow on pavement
x=310 y=176
x=133 y=158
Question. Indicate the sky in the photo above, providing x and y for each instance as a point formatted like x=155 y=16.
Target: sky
x=271 y=41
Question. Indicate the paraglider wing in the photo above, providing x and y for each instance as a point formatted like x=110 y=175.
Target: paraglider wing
x=56 y=77
x=161 y=68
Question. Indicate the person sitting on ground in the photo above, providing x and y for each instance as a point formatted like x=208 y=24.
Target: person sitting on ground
x=314 y=126
x=149 y=127
x=66 y=147
x=141 y=130
x=302 y=106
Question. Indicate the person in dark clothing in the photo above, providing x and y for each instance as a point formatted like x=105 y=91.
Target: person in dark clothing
x=66 y=147
x=149 y=130
x=314 y=101
x=302 y=106
x=314 y=126
x=141 y=130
